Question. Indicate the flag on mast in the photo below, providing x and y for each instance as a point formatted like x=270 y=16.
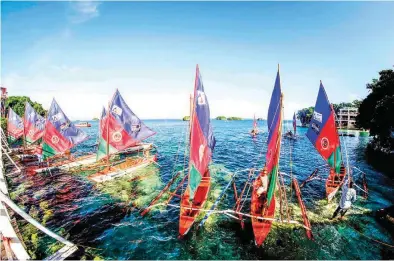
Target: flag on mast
x=274 y=119
x=34 y=124
x=322 y=131
x=14 y=125
x=202 y=141
x=121 y=128
x=60 y=133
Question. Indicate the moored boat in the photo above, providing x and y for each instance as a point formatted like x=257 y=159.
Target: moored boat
x=324 y=136
x=263 y=206
x=202 y=143
x=120 y=130
x=255 y=130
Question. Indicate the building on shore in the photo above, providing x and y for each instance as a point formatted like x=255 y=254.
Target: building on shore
x=346 y=118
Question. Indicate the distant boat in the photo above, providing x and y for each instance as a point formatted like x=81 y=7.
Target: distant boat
x=83 y=124
x=254 y=131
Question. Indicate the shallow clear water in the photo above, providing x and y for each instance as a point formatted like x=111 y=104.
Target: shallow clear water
x=106 y=217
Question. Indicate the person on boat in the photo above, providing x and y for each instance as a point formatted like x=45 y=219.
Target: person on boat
x=262 y=185
x=38 y=153
x=348 y=197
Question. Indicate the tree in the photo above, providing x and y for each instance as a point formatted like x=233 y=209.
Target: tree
x=376 y=111
x=305 y=114
x=17 y=103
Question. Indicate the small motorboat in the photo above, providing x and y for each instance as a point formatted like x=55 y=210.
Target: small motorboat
x=83 y=124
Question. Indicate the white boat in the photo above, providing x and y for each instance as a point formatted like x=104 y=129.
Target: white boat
x=119 y=170
x=90 y=159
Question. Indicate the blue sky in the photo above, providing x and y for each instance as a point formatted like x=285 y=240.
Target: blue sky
x=80 y=52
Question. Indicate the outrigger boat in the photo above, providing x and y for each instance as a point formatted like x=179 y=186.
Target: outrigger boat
x=255 y=130
x=202 y=143
x=33 y=130
x=60 y=134
x=201 y=146
x=70 y=162
x=323 y=134
x=265 y=207
x=121 y=130
x=292 y=135
x=14 y=126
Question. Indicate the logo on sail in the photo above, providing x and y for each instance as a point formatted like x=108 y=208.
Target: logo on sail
x=324 y=143
x=201 y=98
x=117 y=136
x=117 y=110
x=135 y=127
x=64 y=125
x=317 y=116
x=55 y=139
x=57 y=117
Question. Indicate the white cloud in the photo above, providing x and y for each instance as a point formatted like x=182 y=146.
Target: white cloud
x=82 y=11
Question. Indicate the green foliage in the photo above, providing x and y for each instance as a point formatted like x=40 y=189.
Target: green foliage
x=234 y=119
x=221 y=118
x=17 y=103
x=4 y=124
x=305 y=114
x=95 y=119
x=186 y=118
x=376 y=113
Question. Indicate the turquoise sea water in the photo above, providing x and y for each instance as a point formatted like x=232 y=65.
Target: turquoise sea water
x=106 y=218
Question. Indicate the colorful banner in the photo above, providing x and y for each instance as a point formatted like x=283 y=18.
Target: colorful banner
x=202 y=141
x=34 y=124
x=60 y=133
x=14 y=125
x=274 y=119
x=121 y=128
x=322 y=131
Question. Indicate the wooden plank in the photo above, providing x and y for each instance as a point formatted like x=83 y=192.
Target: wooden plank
x=303 y=210
x=147 y=209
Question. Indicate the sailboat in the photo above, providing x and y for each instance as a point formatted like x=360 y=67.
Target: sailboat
x=254 y=131
x=60 y=135
x=33 y=130
x=14 y=126
x=265 y=207
x=34 y=124
x=323 y=134
x=202 y=143
x=120 y=129
x=292 y=135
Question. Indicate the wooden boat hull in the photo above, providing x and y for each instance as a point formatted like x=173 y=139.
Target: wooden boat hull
x=333 y=183
x=141 y=147
x=119 y=171
x=261 y=228
x=66 y=165
x=90 y=159
x=187 y=215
